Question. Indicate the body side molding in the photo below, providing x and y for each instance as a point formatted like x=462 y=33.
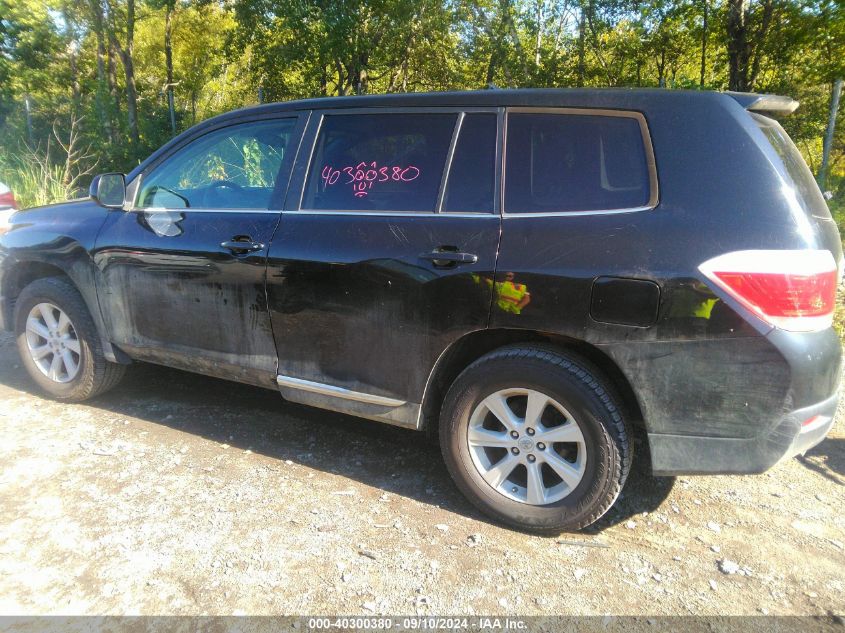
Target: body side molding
x=365 y=405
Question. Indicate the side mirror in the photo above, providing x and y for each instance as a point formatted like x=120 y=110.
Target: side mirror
x=828 y=195
x=109 y=190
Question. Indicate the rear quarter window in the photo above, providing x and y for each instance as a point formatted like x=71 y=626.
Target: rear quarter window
x=559 y=163
x=806 y=188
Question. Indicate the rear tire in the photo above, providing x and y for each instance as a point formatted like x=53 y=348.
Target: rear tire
x=560 y=458
x=59 y=344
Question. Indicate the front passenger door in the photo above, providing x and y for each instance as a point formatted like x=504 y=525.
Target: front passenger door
x=182 y=272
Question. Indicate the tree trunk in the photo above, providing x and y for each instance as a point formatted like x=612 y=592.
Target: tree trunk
x=27 y=104
x=661 y=68
x=510 y=28
x=168 y=59
x=757 y=46
x=112 y=77
x=491 y=68
x=74 y=80
x=129 y=69
x=126 y=57
x=538 y=41
x=101 y=96
x=582 y=45
x=706 y=7
x=73 y=62
x=131 y=95
x=341 y=82
x=737 y=29
x=828 y=137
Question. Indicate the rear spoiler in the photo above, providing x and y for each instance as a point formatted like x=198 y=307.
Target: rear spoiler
x=774 y=104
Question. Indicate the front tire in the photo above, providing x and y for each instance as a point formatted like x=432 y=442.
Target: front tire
x=58 y=342
x=535 y=438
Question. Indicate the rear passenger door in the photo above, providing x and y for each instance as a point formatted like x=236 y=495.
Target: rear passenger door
x=385 y=254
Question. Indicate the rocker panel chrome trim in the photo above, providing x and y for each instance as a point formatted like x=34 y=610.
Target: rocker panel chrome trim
x=338 y=392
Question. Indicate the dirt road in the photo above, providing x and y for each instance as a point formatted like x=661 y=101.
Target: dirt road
x=177 y=494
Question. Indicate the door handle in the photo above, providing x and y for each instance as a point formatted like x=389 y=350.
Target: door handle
x=241 y=246
x=449 y=258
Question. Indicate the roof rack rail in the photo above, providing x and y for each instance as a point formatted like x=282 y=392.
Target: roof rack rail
x=775 y=104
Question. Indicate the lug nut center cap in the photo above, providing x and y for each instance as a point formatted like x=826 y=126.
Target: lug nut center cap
x=525 y=443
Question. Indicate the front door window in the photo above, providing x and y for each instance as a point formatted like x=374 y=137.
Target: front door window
x=232 y=168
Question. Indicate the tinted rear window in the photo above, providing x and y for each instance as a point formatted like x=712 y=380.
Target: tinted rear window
x=379 y=162
x=805 y=185
x=574 y=162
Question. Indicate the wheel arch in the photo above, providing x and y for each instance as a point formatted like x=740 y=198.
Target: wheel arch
x=17 y=277
x=21 y=273
x=469 y=348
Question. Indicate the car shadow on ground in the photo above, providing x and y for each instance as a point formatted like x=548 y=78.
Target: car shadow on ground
x=395 y=460
x=827 y=459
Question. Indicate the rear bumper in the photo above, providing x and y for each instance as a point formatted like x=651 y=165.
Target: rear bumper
x=733 y=405
x=693 y=455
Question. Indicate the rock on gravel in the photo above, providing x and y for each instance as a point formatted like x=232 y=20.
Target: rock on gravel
x=728 y=566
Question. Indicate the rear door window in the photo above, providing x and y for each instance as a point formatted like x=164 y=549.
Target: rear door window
x=558 y=163
x=379 y=162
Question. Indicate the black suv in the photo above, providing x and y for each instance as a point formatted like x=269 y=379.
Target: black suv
x=532 y=274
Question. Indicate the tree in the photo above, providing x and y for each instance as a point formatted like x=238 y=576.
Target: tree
x=125 y=15
x=705 y=11
x=169 y=8
x=133 y=72
x=334 y=47
x=747 y=30
x=829 y=133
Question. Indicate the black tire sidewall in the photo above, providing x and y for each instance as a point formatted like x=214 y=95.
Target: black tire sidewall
x=59 y=294
x=598 y=487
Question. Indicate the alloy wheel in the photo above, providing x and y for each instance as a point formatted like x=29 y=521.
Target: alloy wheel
x=53 y=343
x=527 y=446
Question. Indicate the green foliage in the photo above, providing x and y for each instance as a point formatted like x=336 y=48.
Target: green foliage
x=69 y=60
x=34 y=183
x=36 y=179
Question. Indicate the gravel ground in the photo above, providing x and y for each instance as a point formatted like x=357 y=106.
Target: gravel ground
x=179 y=494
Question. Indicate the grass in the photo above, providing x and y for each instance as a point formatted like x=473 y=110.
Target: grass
x=839 y=317
x=33 y=183
x=34 y=179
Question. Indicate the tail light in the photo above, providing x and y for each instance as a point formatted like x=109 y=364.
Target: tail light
x=791 y=290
